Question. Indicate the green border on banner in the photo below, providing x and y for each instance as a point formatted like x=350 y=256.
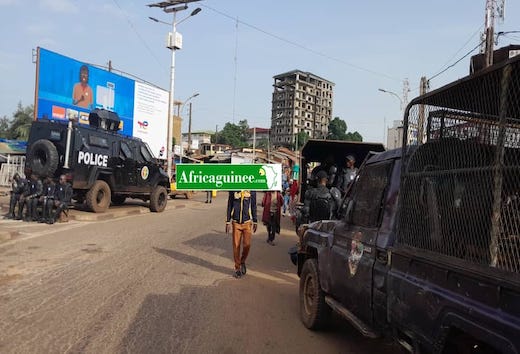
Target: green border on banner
x=229 y=177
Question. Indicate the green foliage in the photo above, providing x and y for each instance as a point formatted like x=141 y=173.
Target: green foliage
x=338 y=131
x=262 y=144
x=235 y=135
x=4 y=127
x=19 y=126
x=355 y=136
x=301 y=138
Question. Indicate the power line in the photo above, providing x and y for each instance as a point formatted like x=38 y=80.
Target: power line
x=137 y=33
x=301 y=46
x=463 y=46
x=455 y=63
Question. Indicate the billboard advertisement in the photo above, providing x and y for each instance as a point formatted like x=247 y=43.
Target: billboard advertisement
x=69 y=89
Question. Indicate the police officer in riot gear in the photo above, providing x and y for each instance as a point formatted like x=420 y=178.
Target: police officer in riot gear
x=319 y=203
x=348 y=175
x=35 y=191
x=17 y=187
x=62 y=199
x=47 y=199
x=25 y=190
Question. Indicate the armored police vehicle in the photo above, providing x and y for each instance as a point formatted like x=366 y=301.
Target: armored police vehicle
x=102 y=165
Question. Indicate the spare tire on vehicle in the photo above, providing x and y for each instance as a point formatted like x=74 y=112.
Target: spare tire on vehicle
x=43 y=158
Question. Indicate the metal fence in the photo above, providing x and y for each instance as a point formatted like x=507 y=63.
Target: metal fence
x=14 y=164
x=460 y=192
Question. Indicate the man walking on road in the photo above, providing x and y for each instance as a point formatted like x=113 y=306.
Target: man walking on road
x=241 y=216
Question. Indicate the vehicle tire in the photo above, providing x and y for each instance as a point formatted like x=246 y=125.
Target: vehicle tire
x=158 y=199
x=43 y=158
x=98 y=197
x=314 y=311
x=118 y=199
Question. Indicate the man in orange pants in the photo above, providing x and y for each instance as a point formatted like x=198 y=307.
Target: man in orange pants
x=241 y=215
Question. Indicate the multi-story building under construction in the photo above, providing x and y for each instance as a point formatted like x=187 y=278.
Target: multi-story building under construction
x=302 y=102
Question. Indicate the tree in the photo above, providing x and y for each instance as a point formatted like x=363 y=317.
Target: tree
x=338 y=131
x=235 y=135
x=355 y=136
x=262 y=143
x=21 y=124
x=301 y=139
x=4 y=127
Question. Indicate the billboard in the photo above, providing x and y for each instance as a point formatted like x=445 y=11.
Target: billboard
x=69 y=89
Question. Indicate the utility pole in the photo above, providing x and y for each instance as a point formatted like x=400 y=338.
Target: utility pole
x=406 y=89
x=423 y=89
x=189 y=131
x=488 y=38
x=489 y=24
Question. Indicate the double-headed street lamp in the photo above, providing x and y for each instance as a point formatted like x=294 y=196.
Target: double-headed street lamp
x=174 y=43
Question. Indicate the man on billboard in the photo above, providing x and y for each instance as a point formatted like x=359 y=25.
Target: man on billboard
x=82 y=94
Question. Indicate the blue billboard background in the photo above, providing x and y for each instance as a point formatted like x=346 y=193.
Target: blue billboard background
x=57 y=76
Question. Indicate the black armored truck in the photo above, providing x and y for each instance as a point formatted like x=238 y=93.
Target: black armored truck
x=102 y=165
x=426 y=249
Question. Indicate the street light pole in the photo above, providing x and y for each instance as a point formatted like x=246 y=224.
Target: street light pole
x=395 y=95
x=169 y=154
x=173 y=6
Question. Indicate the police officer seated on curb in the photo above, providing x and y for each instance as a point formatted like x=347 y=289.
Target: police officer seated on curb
x=17 y=187
x=61 y=201
x=30 y=196
x=47 y=198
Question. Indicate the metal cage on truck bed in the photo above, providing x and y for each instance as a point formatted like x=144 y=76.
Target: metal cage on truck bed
x=460 y=194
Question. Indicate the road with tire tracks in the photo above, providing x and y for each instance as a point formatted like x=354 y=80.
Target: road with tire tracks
x=156 y=283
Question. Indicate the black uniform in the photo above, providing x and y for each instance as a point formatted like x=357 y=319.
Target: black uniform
x=47 y=200
x=23 y=198
x=17 y=187
x=35 y=192
x=319 y=204
x=62 y=199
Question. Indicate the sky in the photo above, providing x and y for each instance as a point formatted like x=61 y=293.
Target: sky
x=233 y=48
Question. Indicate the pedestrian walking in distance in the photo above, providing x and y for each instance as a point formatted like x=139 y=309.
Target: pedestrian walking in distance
x=241 y=219
x=272 y=203
x=209 y=196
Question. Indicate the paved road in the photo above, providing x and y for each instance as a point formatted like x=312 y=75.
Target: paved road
x=155 y=283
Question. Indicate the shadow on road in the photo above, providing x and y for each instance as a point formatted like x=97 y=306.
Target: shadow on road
x=186 y=258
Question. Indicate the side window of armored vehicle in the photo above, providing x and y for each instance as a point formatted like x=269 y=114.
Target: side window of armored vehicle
x=145 y=153
x=55 y=135
x=98 y=141
x=125 y=152
x=137 y=152
x=369 y=192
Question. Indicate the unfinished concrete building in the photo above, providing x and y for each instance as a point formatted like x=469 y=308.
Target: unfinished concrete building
x=302 y=102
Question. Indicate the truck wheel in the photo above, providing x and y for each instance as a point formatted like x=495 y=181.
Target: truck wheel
x=313 y=309
x=118 y=199
x=43 y=158
x=158 y=199
x=98 y=197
